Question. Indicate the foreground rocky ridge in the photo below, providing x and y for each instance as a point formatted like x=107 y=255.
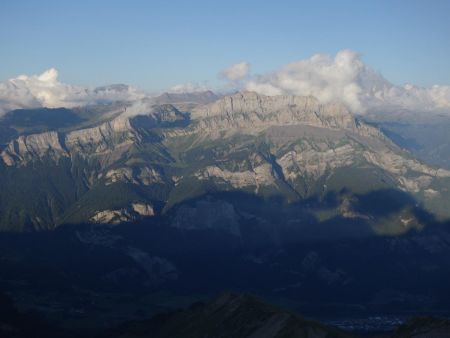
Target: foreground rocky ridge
x=230 y=315
x=289 y=146
x=242 y=315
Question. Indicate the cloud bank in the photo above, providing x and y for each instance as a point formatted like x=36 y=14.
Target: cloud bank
x=343 y=77
x=346 y=78
x=45 y=90
x=237 y=71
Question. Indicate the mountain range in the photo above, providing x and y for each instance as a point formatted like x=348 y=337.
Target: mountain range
x=106 y=209
x=114 y=163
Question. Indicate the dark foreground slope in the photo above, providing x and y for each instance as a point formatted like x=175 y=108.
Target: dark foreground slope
x=230 y=315
x=424 y=327
x=242 y=316
x=100 y=276
x=14 y=324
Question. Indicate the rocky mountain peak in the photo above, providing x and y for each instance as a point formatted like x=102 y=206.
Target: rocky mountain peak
x=247 y=101
x=252 y=110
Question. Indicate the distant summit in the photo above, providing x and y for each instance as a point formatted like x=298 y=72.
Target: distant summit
x=192 y=97
x=117 y=87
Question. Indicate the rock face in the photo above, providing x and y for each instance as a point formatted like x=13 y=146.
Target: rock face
x=306 y=160
x=111 y=135
x=116 y=135
x=260 y=173
x=106 y=142
x=141 y=176
x=142 y=209
x=26 y=148
x=134 y=212
x=251 y=110
x=288 y=146
x=111 y=216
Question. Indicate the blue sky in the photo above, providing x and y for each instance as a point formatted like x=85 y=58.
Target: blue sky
x=157 y=44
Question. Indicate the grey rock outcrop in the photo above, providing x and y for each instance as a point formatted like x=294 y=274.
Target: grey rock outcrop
x=134 y=212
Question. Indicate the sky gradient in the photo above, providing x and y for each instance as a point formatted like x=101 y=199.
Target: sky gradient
x=158 y=44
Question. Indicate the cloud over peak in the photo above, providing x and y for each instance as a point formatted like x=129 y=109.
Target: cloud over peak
x=345 y=77
x=44 y=90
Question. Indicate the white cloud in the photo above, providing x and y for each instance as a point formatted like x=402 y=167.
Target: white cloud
x=189 y=87
x=237 y=71
x=45 y=90
x=140 y=107
x=346 y=78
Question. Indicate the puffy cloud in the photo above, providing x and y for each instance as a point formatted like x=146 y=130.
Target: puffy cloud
x=45 y=90
x=346 y=78
x=237 y=71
